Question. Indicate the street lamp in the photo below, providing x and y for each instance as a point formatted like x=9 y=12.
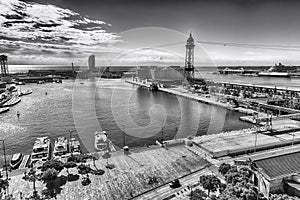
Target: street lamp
x=5 y=162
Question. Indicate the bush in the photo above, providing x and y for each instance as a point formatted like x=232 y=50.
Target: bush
x=54 y=164
x=50 y=175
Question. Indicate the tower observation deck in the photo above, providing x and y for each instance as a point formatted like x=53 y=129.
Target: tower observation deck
x=189 y=59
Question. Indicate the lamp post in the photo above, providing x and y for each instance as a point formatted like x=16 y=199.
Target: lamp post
x=5 y=162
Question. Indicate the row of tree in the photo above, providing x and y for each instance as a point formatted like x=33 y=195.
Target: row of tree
x=239 y=186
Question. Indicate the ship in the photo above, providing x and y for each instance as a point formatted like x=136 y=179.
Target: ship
x=102 y=143
x=279 y=70
x=74 y=146
x=41 y=150
x=60 y=149
x=11 y=102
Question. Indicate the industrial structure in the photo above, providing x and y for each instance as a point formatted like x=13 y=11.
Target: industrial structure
x=4 y=65
x=189 y=59
x=91 y=63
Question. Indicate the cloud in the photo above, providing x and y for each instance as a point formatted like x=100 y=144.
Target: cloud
x=29 y=29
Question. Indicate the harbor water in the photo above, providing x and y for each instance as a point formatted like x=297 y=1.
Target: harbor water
x=49 y=111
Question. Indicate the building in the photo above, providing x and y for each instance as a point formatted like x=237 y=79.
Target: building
x=91 y=63
x=278 y=173
x=143 y=72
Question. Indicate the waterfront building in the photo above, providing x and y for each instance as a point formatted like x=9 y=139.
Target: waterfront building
x=91 y=63
x=143 y=72
x=278 y=174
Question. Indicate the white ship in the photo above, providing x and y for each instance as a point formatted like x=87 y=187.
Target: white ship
x=279 y=70
x=60 y=149
x=102 y=143
x=41 y=150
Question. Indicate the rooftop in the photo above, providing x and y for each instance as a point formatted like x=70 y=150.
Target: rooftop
x=280 y=166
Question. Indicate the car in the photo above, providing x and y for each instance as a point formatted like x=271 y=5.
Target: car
x=175 y=184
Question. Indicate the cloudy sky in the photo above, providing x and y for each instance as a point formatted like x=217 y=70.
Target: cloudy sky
x=65 y=31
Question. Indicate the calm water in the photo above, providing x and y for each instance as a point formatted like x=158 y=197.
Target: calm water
x=109 y=105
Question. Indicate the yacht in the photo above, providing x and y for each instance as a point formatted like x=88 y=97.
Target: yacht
x=60 y=148
x=16 y=160
x=102 y=143
x=26 y=92
x=41 y=150
x=74 y=146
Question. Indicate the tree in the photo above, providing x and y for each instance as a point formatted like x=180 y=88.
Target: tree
x=282 y=197
x=106 y=156
x=69 y=165
x=3 y=184
x=210 y=182
x=54 y=164
x=95 y=156
x=50 y=175
x=224 y=168
x=198 y=194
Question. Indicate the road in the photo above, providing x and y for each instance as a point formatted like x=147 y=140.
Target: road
x=165 y=190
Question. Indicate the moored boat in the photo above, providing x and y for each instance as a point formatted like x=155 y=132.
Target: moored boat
x=74 y=146
x=41 y=150
x=3 y=110
x=60 y=149
x=11 y=102
x=102 y=143
x=16 y=160
x=27 y=92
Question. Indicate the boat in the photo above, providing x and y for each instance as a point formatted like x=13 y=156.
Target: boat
x=16 y=160
x=279 y=70
x=11 y=102
x=60 y=149
x=25 y=93
x=102 y=143
x=3 y=110
x=41 y=150
x=74 y=146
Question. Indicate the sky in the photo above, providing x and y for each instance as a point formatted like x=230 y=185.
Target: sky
x=134 y=32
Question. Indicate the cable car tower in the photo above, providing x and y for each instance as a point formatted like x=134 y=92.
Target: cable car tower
x=4 y=65
x=189 y=59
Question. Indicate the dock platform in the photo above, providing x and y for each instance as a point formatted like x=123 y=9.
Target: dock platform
x=24 y=162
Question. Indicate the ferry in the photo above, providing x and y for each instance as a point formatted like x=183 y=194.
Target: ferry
x=102 y=143
x=74 y=146
x=11 y=102
x=41 y=150
x=16 y=160
x=60 y=148
x=279 y=70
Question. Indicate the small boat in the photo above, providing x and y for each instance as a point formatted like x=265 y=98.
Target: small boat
x=16 y=160
x=3 y=110
x=41 y=150
x=102 y=143
x=74 y=146
x=20 y=83
x=25 y=93
x=60 y=148
x=13 y=101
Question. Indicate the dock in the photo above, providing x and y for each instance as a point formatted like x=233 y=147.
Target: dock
x=25 y=161
x=178 y=92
